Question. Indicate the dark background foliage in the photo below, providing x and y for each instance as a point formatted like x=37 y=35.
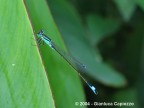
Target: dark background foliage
x=116 y=29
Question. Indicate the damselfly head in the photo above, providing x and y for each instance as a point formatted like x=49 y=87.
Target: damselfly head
x=40 y=33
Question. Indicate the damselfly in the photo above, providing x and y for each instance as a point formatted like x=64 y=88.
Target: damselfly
x=79 y=67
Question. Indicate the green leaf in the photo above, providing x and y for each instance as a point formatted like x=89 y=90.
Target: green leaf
x=99 y=28
x=65 y=83
x=140 y=3
x=74 y=35
x=23 y=80
x=126 y=8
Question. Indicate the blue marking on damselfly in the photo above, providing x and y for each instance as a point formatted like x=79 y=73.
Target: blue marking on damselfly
x=79 y=67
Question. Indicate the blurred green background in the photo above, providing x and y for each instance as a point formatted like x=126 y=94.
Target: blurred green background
x=105 y=35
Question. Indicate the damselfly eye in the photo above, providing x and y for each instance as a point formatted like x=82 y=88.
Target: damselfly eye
x=41 y=32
